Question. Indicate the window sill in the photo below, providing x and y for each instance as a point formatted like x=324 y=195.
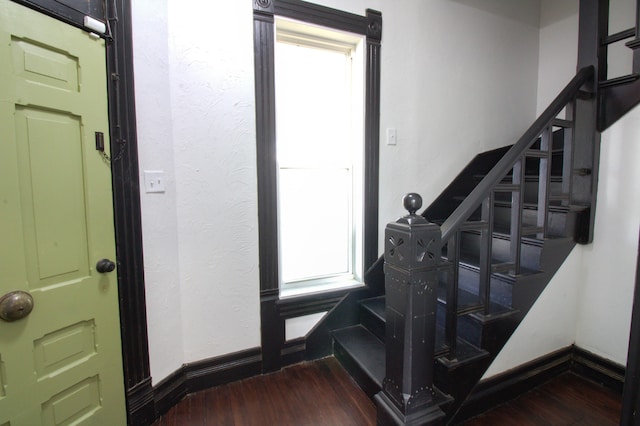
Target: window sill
x=287 y=293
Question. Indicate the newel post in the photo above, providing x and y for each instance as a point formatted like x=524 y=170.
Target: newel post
x=412 y=257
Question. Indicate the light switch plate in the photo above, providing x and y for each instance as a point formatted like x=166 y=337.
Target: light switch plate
x=391 y=136
x=154 y=181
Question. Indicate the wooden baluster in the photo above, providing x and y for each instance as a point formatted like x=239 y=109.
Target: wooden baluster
x=516 y=212
x=567 y=152
x=544 y=179
x=412 y=258
x=486 y=247
x=451 y=324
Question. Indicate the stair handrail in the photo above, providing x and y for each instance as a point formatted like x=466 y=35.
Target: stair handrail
x=482 y=190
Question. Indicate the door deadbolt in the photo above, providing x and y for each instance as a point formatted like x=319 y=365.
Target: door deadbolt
x=15 y=305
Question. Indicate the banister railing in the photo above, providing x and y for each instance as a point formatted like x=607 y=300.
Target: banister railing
x=493 y=189
x=473 y=201
x=422 y=257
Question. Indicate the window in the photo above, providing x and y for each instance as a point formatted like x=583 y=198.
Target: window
x=319 y=99
x=353 y=41
x=274 y=312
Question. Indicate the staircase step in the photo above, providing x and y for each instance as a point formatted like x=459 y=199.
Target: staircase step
x=561 y=219
x=625 y=79
x=474 y=326
x=501 y=283
x=372 y=315
x=468 y=303
x=536 y=153
x=499 y=267
x=374 y=321
x=506 y=187
x=363 y=355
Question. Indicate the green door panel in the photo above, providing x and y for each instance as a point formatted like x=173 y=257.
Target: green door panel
x=62 y=364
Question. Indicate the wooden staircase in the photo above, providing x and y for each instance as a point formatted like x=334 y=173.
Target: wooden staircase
x=482 y=328
x=494 y=239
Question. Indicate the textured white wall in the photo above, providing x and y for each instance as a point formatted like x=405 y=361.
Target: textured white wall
x=558 y=48
x=609 y=264
x=458 y=77
x=466 y=87
x=194 y=98
x=212 y=95
x=159 y=211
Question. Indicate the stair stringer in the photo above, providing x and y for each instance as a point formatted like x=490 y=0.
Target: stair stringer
x=526 y=292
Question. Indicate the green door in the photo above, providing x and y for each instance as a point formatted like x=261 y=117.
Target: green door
x=62 y=364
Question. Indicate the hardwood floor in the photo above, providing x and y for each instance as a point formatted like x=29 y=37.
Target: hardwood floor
x=562 y=401
x=316 y=393
x=322 y=393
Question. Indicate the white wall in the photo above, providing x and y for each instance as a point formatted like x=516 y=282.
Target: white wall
x=156 y=152
x=458 y=77
x=558 y=48
x=609 y=264
x=194 y=99
x=588 y=302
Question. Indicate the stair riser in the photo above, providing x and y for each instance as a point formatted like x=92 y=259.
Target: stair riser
x=501 y=290
x=559 y=223
x=468 y=328
x=373 y=323
x=531 y=191
x=529 y=257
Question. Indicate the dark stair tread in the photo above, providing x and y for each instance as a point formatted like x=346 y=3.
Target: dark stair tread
x=368 y=352
x=365 y=349
x=625 y=79
x=468 y=300
x=470 y=261
x=502 y=232
x=375 y=305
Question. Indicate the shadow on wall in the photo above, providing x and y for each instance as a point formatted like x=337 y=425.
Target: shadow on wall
x=525 y=11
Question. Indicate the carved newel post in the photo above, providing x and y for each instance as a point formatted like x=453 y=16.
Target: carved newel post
x=412 y=257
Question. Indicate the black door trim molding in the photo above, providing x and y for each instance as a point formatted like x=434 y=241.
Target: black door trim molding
x=128 y=224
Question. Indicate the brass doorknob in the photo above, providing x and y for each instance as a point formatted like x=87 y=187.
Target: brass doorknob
x=15 y=305
x=105 y=265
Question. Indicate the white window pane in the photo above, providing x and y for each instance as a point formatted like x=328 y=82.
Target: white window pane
x=313 y=106
x=315 y=225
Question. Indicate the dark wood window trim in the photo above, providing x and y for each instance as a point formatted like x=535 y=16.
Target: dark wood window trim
x=272 y=321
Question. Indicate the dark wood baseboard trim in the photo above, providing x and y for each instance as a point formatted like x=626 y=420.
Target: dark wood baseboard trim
x=293 y=351
x=147 y=403
x=597 y=369
x=512 y=383
x=200 y=375
x=508 y=385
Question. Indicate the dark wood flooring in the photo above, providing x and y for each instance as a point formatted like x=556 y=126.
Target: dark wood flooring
x=562 y=401
x=322 y=393
x=314 y=393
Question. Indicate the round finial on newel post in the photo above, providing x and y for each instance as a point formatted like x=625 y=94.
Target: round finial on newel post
x=412 y=203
